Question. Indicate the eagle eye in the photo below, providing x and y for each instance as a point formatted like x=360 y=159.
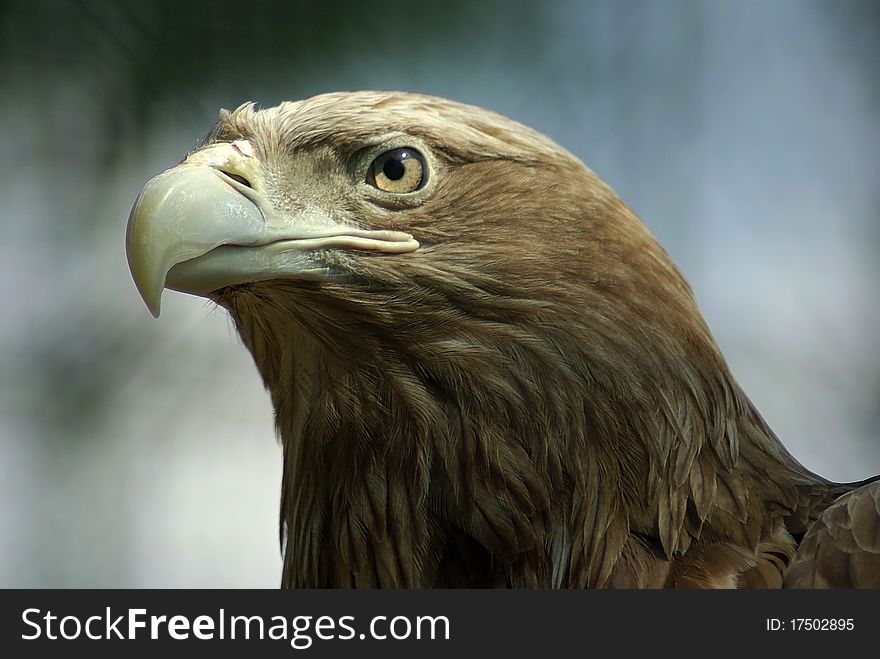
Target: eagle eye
x=398 y=170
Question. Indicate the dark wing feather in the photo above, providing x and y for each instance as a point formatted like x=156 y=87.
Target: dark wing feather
x=842 y=548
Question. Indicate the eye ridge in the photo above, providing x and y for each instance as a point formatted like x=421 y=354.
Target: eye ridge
x=399 y=171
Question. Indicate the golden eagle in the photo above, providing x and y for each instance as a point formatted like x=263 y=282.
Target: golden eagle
x=485 y=370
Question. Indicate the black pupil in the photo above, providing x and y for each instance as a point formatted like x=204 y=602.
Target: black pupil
x=394 y=169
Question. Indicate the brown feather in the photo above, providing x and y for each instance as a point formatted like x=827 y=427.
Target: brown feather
x=842 y=548
x=530 y=399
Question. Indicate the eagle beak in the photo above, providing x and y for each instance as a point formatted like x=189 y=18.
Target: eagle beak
x=207 y=224
x=179 y=215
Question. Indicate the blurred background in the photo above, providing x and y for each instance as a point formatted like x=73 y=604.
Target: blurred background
x=141 y=453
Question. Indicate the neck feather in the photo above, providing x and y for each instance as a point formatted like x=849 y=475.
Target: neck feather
x=410 y=457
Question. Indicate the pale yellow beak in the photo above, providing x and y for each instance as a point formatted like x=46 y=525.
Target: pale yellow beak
x=207 y=224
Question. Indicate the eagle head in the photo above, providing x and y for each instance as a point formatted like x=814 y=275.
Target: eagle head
x=485 y=370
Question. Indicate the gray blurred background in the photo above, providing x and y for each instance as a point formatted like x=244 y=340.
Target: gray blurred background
x=136 y=452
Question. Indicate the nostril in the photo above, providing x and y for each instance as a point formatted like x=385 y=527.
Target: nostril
x=240 y=179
